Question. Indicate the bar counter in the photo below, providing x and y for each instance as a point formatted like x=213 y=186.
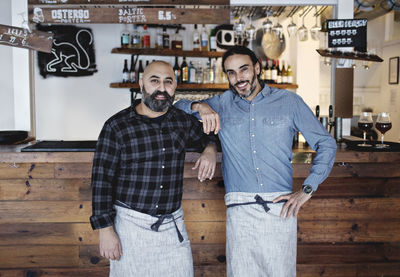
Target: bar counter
x=350 y=227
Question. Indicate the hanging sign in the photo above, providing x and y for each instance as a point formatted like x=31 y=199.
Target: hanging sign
x=22 y=38
x=347 y=33
x=124 y=2
x=128 y=15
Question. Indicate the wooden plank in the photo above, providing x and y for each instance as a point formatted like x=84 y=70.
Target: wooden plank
x=126 y=2
x=206 y=232
x=22 y=38
x=384 y=170
x=347 y=253
x=73 y=170
x=204 y=210
x=26 y=171
x=188 y=172
x=210 y=271
x=209 y=189
x=128 y=15
x=383 y=269
x=56 y=272
x=373 y=230
x=28 y=256
x=47 y=234
x=170 y=52
x=45 y=189
x=44 y=211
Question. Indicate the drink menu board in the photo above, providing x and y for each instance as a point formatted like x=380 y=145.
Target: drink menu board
x=22 y=38
x=347 y=33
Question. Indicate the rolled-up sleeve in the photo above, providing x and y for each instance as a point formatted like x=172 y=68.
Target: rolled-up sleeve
x=105 y=165
x=318 y=139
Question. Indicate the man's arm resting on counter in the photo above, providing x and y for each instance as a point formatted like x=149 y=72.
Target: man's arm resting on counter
x=109 y=243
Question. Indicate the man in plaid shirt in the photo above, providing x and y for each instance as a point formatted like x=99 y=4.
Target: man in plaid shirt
x=137 y=181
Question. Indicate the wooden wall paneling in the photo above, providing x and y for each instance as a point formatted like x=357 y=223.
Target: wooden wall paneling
x=26 y=170
x=349 y=270
x=206 y=232
x=126 y=2
x=45 y=189
x=209 y=189
x=73 y=170
x=56 y=272
x=188 y=172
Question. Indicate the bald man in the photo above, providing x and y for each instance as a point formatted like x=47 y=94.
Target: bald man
x=137 y=181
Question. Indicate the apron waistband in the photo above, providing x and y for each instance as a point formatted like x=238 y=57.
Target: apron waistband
x=259 y=201
x=161 y=219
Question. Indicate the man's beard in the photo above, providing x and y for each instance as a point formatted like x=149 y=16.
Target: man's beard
x=157 y=105
x=253 y=86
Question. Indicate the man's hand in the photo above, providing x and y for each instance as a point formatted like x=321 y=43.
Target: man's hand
x=294 y=202
x=209 y=117
x=206 y=163
x=110 y=245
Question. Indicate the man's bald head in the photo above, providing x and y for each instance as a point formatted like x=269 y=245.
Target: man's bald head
x=158 y=66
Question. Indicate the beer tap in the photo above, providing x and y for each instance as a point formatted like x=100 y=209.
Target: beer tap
x=317 y=111
x=331 y=121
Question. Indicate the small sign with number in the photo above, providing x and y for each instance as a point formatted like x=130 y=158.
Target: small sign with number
x=22 y=38
x=347 y=33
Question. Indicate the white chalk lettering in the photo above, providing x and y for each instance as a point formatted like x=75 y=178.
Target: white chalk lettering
x=70 y=15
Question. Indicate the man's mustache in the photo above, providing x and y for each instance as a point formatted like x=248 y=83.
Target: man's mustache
x=241 y=82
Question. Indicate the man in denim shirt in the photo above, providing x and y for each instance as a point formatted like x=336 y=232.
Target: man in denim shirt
x=257 y=127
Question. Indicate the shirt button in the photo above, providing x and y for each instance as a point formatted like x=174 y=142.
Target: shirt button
x=254 y=151
x=161 y=186
x=253 y=135
x=261 y=184
x=163 y=149
x=162 y=166
x=156 y=206
x=252 y=119
x=257 y=168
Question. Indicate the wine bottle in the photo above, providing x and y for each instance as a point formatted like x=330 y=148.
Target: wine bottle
x=125 y=37
x=132 y=72
x=125 y=72
x=192 y=73
x=213 y=40
x=184 y=71
x=284 y=73
x=158 y=44
x=145 y=37
x=165 y=38
x=204 y=38
x=177 y=71
x=140 y=70
x=274 y=73
x=279 y=74
x=289 y=75
x=196 y=39
x=135 y=38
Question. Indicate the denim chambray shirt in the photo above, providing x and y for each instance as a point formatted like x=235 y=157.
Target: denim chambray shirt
x=257 y=139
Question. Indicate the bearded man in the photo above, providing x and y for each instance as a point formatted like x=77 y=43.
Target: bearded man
x=137 y=181
x=256 y=133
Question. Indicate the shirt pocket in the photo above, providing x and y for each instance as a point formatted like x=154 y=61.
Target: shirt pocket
x=179 y=140
x=232 y=122
x=276 y=127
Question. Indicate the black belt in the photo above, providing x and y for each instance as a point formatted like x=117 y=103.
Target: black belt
x=160 y=221
x=259 y=201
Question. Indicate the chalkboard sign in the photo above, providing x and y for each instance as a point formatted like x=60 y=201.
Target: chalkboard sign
x=22 y=38
x=72 y=53
x=347 y=33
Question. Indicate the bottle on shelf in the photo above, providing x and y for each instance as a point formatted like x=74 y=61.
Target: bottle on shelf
x=213 y=40
x=196 y=39
x=125 y=37
x=279 y=74
x=274 y=73
x=268 y=72
x=140 y=70
x=204 y=38
x=207 y=73
x=125 y=72
x=192 y=73
x=212 y=71
x=289 y=75
x=158 y=44
x=177 y=71
x=184 y=71
x=199 y=73
x=132 y=72
x=145 y=38
x=176 y=40
x=165 y=38
x=284 y=73
x=147 y=63
x=135 y=38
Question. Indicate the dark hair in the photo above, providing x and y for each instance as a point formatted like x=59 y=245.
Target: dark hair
x=240 y=50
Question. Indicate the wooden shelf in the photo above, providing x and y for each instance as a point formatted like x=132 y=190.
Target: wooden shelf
x=349 y=55
x=166 y=52
x=200 y=86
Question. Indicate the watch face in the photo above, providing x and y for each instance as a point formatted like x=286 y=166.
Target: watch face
x=307 y=189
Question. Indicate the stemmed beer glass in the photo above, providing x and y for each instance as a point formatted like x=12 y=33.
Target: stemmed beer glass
x=365 y=123
x=383 y=124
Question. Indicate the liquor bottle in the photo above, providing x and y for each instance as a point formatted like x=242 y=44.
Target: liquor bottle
x=192 y=73
x=284 y=73
x=158 y=44
x=289 y=75
x=145 y=37
x=204 y=39
x=177 y=71
x=140 y=70
x=125 y=72
x=135 y=38
x=199 y=73
x=274 y=73
x=184 y=71
x=207 y=73
x=196 y=39
x=268 y=72
x=132 y=72
x=279 y=74
x=165 y=37
x=212 y=71
x=213 y=40
x=125 y=37
x=176 y=40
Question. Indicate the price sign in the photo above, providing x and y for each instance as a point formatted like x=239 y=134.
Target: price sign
x=22 y=38
x=347 y=33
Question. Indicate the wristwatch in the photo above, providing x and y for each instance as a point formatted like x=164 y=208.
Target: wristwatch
x=307 y=189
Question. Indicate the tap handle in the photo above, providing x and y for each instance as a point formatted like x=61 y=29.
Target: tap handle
x=317 y=111
x=330 y=111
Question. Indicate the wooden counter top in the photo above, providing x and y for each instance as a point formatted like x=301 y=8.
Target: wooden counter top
x=301 y=154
